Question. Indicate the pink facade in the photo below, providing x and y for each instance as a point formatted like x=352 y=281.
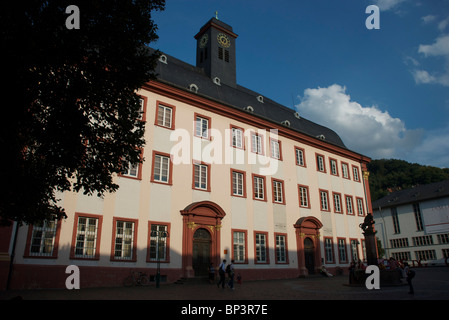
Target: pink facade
x=221 y=183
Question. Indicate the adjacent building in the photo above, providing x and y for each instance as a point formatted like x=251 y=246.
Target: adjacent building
x=228 y=174
x=413 y=224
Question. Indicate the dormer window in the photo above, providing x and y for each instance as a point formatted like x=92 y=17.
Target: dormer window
x=286 y=123
x=193 y=87
x=260 y=99
x=249 y=109
x=163 y=58
x=217 y=81
x=297 y=115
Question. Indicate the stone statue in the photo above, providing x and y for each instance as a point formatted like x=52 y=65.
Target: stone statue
x=367 y=225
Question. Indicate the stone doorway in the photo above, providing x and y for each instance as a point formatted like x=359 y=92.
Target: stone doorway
x=201 y=256
x=309 y=256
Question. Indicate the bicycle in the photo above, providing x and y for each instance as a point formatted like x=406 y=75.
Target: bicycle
x=136 y=278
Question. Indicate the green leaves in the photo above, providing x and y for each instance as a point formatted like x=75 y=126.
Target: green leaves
x=74 y=112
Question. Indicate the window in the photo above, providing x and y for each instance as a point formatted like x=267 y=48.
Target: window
x=87 y=240
x=143 y=108
x=256 y=143
x=202 y=126
x=158 y=244
x=324 y=202
x=443 y=238
x=278 y=191
x=394 y=216
x=334 y=169
x=355 y=173
x=237 y=137
x=345 y=170
x=355 y=250
x=261 y=245
x=320 y=166
x=425 y=255
x=165 y=115
x=329 y=250
x=281 y=248
x=418 y=217
x=162 y=168
x=42 y=239
x=349 y=207
x=300 y=157
x=259 y=187
x=238 y=183
x=337 y=202
x=342 y=250
x=399 y=243
x=275 y=149
x=201 y=173
x=239 y=246
x=422 y=241
x=360 y=207
x=132 y=170
x=303 y=196
x=124 y=234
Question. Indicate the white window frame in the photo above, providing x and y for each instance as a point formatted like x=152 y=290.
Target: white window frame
x=201 y=176
x=238 y=184
x=161 y=171
x=124 y=240
x=86 y=238
x=164 y=116
x=237 y=137
x=259 y=190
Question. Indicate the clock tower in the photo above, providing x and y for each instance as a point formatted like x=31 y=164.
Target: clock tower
x=215 y=52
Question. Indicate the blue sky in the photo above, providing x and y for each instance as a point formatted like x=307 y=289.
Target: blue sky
x=385 y=91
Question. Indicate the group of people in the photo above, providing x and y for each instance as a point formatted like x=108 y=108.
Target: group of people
x=224 y=270
x=403 y=269
x=391 y=264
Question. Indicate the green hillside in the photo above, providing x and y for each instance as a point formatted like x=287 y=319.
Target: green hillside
x=388 y=175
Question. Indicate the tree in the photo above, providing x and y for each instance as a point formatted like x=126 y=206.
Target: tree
x=73 y=112
x=389 y=175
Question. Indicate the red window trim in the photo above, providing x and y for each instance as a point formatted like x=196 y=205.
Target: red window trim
x=114 y=230
x=98 y=241
x=172 y=115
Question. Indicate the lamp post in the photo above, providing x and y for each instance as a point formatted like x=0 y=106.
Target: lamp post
x=159 y=234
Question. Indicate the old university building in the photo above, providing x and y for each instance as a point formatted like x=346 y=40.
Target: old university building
x=228 y=174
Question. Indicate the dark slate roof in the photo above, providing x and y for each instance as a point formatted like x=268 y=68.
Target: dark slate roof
x=180 y=74
x=416 y=194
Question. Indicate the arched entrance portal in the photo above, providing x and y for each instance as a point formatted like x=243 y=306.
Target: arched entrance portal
x=200 y=237
x=201 y=252
x=309 y=255
x=308 y=244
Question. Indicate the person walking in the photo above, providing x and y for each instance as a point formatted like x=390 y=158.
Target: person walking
x=211 y=273
x=231 y=273
x=221 y=273
x=410 y=274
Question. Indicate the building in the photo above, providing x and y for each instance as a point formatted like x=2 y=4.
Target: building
x=228 y=174
x=413 y=224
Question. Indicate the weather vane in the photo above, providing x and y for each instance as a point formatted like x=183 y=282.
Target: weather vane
x=216 y=15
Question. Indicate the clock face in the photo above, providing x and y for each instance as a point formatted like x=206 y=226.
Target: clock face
x=203 y=40
x=223 y=40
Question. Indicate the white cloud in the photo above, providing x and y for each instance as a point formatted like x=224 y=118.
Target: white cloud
x=440 y=48
x=385 y=5
x=434 y=149
x=429 y=18
x=366 y=130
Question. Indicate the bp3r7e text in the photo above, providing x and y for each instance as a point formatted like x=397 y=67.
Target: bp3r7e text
x=246 y=309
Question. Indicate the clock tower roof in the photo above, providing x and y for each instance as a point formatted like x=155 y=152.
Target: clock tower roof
x=217 y=24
